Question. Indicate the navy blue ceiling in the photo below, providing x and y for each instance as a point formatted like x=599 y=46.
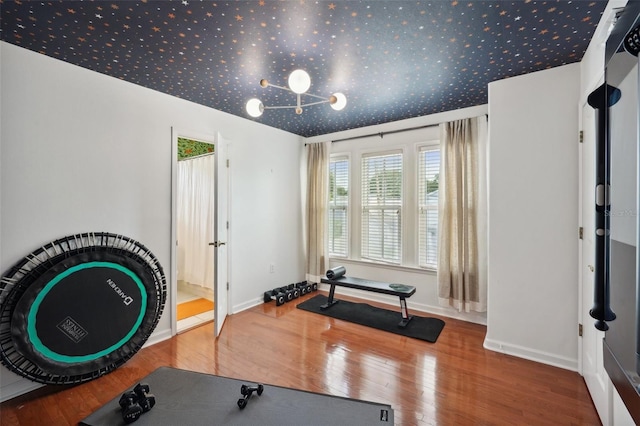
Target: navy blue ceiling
x=392 y=59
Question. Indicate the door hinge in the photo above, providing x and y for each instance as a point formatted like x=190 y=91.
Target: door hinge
x=228 y=290
x=581 y=136
x=227 y=163
x=227 y=224
x=581 y=232
x=579 y=330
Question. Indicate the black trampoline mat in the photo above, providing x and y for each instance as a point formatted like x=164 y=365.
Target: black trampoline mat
x=188 y=398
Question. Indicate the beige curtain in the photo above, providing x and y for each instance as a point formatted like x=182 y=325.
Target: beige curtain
x=317 y=196
x=462 y=210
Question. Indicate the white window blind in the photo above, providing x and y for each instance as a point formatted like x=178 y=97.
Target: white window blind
x=338 y=206
x=428 y=182
x=382 y=207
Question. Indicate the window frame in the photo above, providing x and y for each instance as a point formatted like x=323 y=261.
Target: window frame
x=332 y=158
x=433 y=145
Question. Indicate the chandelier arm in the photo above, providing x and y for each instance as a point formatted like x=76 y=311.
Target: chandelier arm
x=295 y=106
x=315 y=103
x=291 y=91
x=315 y=96
x=280 y=87
x=280 y=107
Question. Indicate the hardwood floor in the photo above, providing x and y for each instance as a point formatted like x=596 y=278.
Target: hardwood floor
x=454 y=381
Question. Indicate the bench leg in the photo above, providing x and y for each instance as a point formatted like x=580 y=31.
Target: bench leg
x=331 y=301
x=405 y=313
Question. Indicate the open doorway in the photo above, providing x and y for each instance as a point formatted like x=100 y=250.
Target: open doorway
x=195 y=219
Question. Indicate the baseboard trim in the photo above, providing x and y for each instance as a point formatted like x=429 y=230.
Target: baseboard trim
x=158 y=337
x=473 y=317
x=532 y=354
x=246 y=305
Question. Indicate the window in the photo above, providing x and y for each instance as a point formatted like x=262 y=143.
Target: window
x=383 y=202
x=338 y=206
x=381 y=195
x=428 y=181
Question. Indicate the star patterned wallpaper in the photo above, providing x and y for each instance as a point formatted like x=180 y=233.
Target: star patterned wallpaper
x=392 y=59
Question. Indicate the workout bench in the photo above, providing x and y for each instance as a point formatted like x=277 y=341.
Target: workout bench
x=400 y=290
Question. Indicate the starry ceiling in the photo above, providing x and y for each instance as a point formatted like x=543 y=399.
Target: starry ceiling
x=392 y=59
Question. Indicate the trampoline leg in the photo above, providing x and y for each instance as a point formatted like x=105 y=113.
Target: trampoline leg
x=405 y=313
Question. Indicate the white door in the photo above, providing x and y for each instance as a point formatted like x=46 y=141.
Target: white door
x=219 y=195
x=221 y=288
x=592 y=370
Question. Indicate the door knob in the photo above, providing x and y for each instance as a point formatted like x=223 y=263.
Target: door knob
x=217 y=243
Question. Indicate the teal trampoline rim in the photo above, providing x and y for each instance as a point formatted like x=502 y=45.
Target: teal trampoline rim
x=31 y=318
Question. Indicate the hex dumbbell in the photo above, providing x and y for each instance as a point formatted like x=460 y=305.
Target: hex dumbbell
x=276 y=295
x=288 y=293
x=303 y=287
x=146 y=400
x=129 y=406
x=136 y=402
x=246 y=392
x=296 y=290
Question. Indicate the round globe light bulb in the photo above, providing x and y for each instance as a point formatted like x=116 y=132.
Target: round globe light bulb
x=338 y=101
x=299 y=81
x=255 y=108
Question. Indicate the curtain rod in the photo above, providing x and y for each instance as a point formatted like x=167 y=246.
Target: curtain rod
x=197 y=156
x=381 y=134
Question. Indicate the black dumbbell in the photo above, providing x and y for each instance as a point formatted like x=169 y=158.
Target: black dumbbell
x=291 y=291
x=276 y=295
x=286 y=297
x=288 y=294
x=310 y=286
x=246 y=391
x=280 y=296
x=296 y=292
x=303 y=287
x=146 y=400
x=131 y=410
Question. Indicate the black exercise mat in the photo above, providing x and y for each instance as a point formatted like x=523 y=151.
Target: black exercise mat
x=423 y=328
x=187 y=398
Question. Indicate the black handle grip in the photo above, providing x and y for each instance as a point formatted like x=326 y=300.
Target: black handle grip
x=601 y=100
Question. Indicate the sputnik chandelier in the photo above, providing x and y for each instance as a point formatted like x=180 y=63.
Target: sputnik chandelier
x=299 y=83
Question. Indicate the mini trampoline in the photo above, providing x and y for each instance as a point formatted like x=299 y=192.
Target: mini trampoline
x=79 y=307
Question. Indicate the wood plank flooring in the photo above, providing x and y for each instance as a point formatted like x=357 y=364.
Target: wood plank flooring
x=454 y=381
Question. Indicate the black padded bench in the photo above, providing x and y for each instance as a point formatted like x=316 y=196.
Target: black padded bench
x=400 y=290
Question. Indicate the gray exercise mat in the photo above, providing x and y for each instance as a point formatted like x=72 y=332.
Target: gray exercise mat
x=186 y=398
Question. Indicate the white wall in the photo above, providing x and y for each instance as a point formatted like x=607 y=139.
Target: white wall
x=266 y=219
x=533 y=205
x=85 y=152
